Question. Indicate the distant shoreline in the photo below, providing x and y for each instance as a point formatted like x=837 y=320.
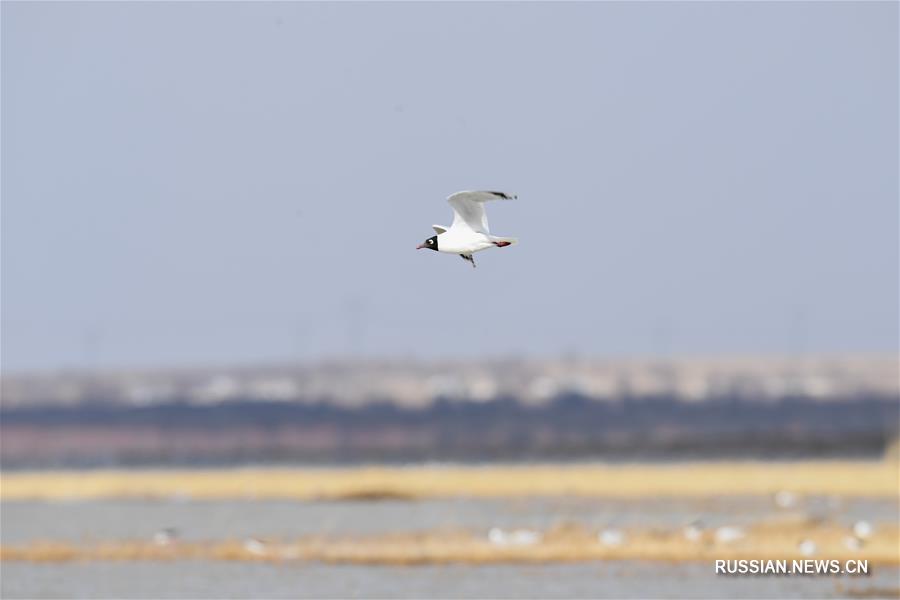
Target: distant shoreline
x=637 y=480
x=568 y=428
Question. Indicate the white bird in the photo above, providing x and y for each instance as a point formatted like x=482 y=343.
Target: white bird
x=785 y=499
x=728 y=534
x=807 y=547
x=469 y=232
x=517 y=537
x=851 y=542
x=863 y=529
x=165 y=536
x=255 y=546
x=611 y=537
x=693 y=531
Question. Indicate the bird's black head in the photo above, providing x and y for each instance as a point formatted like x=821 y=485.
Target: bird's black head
x=431 y=243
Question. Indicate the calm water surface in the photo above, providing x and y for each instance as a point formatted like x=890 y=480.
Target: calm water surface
x=103 y=520
x=251 y=580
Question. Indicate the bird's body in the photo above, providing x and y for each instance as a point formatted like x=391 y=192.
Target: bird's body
x=461 y=241
x=469 y=233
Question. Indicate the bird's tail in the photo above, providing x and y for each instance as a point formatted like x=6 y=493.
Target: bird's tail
x=504 y=241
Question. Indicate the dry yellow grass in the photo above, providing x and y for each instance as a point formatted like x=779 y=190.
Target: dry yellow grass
x=770 y=540
x=840 y=478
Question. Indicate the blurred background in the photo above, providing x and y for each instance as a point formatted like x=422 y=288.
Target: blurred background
x=209 y=213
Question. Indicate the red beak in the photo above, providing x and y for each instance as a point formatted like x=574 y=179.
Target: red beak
x=420 y=246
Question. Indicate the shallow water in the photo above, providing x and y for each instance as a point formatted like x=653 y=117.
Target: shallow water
x=86 y=521
x=251 y=580
x=132 y=519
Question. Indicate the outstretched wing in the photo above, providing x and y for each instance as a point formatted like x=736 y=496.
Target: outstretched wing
x=468 y=209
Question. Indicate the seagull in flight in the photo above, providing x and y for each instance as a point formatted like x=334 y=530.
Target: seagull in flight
x=469 y=231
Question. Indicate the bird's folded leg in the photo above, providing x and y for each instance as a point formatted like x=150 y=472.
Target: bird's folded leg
x=469 y=258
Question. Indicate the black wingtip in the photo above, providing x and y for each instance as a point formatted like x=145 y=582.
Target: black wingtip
x=502 y=195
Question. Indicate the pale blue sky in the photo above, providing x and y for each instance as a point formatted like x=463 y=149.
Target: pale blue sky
x=222 y=183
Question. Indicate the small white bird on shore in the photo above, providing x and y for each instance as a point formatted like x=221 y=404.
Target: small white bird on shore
x=863 y=529
x=611 y=537
x=693 y=531
x=255 y=546
x=516 y=537
x=165 y=536
x=469 y=232
x=807 y=547
x=785 y=499
x=728 y=534
x=851 y=542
